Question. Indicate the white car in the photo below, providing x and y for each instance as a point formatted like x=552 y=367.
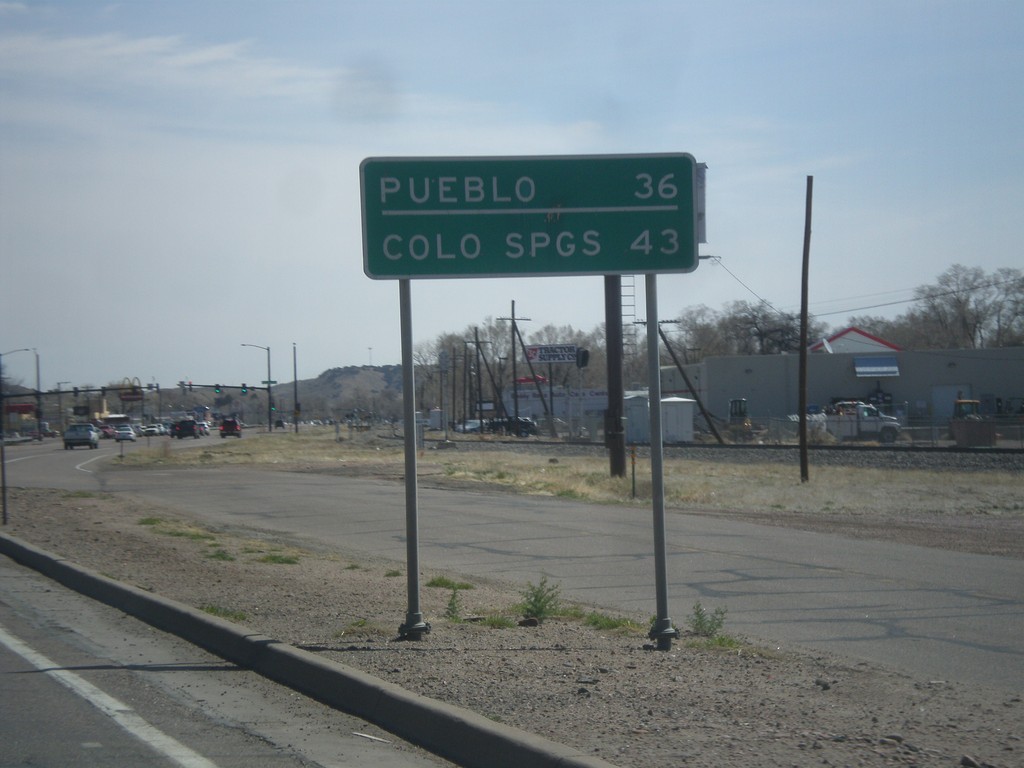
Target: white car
x=81 y=434
x=153 y=430
x=124 y=432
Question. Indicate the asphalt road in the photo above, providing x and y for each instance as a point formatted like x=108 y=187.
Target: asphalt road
x=931 y=613
x=86 y=685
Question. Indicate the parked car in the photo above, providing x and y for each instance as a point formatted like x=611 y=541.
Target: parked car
x=187 y=428
x=124 y=432
x=44 y=430
x=230 y=427
x=81 y=434
x=152 y=430
x=523 y=427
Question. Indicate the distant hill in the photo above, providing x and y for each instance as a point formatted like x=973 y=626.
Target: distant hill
x=337 y=392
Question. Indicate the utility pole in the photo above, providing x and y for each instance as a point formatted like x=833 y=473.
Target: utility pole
x=467 y=383
x=479 y=382
x=614 y=434
x=454 y=375
x=39 y=401
x=515 y=384
x=60 y=405
x=295 y=388
x=802 y=399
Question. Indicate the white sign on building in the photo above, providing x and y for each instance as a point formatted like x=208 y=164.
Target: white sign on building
x=551 y=353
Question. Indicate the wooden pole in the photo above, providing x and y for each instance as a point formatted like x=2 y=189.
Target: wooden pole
x=804 y=470
x=614 y=433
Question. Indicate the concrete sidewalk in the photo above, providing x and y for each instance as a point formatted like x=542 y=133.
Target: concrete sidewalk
x=455 y=734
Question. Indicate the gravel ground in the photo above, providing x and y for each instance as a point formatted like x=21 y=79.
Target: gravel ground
x=604 y=692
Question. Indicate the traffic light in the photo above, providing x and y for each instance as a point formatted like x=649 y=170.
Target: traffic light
x=103 y=391
x=273 y=405
x=76 y=391
x=190 y=386
x=216 y=388
x=245 y=389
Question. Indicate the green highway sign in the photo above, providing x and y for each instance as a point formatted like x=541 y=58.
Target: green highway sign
x=448 y=217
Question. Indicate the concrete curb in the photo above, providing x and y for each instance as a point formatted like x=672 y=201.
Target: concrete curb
x=456 y=734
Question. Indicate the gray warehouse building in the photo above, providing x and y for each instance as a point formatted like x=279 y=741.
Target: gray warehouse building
x=917 y=387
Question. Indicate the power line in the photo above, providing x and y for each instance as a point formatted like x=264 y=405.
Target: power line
x=926 y=297
x=718 y=260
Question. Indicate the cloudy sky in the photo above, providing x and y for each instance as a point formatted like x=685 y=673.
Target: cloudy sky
x=178 y=179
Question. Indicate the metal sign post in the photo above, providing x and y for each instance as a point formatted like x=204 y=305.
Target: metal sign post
x=414 y=627
x=662 y=631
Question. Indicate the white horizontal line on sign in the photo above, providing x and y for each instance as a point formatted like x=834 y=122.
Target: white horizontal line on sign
x=521 y=211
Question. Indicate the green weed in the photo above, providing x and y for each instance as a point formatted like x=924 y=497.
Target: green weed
x=80 y=495
x=453 y=611
x=704 y=624
x=223 y=613
x=443 y=582
x=540 y=601
x=279 y=559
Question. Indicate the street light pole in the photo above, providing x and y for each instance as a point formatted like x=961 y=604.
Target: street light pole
x=60 y=403
x=39 y=401
x=270 y=405
x=295 y=387
x=3 y=440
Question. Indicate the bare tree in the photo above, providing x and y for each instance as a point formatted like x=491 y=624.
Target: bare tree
x=964 y=308
x=1008 y=309
x=699 y=334
x=760 y=329
x=425 y=363
x=958 y=307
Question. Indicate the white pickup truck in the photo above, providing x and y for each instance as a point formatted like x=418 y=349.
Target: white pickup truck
x=850 y=420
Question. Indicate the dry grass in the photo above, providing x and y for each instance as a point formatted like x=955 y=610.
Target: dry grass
x=311 y=447
x=688 y=483
x=767 y=487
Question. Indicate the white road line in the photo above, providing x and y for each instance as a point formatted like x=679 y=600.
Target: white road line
x=89 y=461
x=120 y=713
x=24 y=458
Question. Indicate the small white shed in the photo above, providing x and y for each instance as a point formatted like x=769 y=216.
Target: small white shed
x=677 y=419
x=638 y=420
